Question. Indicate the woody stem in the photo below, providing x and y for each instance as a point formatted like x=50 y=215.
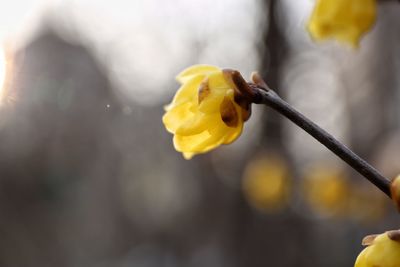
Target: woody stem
x=272 y=100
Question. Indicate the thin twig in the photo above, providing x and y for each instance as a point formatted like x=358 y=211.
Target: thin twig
x=271 y=99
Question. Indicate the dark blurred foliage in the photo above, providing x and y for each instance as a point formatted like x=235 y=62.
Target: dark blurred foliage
x=89 y=178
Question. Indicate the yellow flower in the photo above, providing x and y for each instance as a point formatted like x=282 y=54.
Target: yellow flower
x=383 y=251
x=266 y=183
x=395 y=191
x=344 y=20
x=326 y=190
x=366 y=204
x=203 y=114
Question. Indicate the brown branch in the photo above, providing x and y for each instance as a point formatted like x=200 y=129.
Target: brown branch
x=271 y=99
x=263 y=95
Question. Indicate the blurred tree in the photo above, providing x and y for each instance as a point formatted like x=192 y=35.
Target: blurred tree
x=57 y=158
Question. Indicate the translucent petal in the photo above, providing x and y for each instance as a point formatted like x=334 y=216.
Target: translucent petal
x=174 y=117
x=200 y=143
x=215 y=139
x=216 y=81
x=195 y=70
x=188 y=91
x=197 y=124
x=219 y=88
x=188 y=155
x=187 y=143
x=233 y=134
x=211 y=103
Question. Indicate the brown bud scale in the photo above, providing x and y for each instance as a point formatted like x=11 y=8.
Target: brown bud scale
x=228 y=112
x=204 y=91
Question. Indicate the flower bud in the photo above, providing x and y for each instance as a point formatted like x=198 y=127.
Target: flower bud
x=343 y=20
x=383 y=250
x=205 y=112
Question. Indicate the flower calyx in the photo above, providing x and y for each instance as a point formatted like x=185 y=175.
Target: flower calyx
x=393 y=235
x=244 y=94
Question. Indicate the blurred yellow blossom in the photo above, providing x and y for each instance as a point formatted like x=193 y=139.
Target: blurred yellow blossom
x=344 y=20
x=326 y=190
x=203 y=114
x=383 y=250
x=366 y=204
x=266 y=183
x=395 y=191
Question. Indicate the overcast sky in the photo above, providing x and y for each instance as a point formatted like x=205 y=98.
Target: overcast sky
x=146 y=42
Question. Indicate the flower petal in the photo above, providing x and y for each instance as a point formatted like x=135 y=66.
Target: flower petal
x=188 y=91
x=214 y=140
x=187 y=143
x=218 y=89
x=174 y=117
x=212 y=103
x=193 y=71
x=233 y=134
x=188 y=155
x=202 y=142
x=216 y=81
x=198 y=123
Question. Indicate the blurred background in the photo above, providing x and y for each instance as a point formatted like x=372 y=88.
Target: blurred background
x=89 y=176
